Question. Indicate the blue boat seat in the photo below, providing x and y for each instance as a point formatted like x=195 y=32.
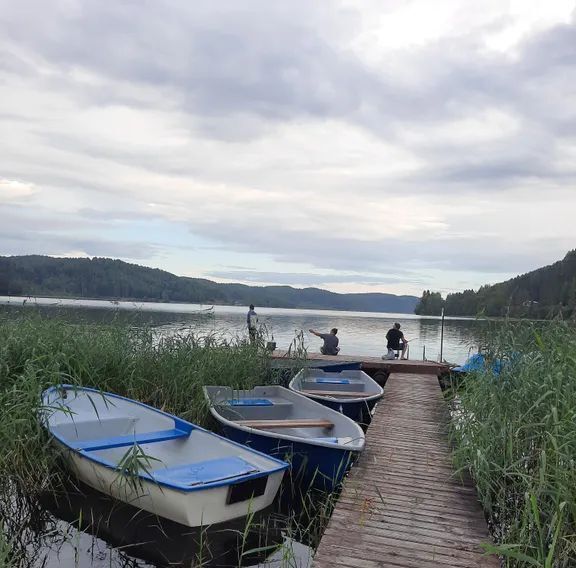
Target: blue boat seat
x=129 y=439
x=208 y=471
x=334 y=381
x=332 y=440
x=250 y=402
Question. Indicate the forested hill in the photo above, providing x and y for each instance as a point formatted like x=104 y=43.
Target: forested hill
x=114 y=279
x=544 y=293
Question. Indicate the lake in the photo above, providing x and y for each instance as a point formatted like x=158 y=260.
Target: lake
x=88 y=529
x=360 y=333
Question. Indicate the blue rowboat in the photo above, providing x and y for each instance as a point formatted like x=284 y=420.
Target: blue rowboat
x=320 y=443
x=353 y=393
x=156 y=461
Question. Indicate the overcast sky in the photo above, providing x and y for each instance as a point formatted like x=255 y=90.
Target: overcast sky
x=358 y=145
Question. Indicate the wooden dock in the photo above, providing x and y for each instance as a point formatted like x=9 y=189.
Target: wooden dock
x=401 y=505
x=375 y=366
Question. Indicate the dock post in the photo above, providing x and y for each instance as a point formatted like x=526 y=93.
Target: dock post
x=442 y=337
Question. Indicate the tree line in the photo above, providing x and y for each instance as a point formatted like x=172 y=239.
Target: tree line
x=105 y=278
x=547 y=292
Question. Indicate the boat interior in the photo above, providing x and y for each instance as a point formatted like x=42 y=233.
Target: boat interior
x=346 y=384
x=283 y=413
x=171 y=451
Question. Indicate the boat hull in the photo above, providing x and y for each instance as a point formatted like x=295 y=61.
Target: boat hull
x=193 y=509
x=320 y=467
x=359 y=411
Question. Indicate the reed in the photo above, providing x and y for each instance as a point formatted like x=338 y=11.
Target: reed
x=167 y=372
x=516 y=434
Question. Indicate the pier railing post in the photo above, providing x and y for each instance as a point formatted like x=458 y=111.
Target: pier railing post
x=442 y=337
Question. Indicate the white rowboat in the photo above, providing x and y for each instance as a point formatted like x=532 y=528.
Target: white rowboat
x=156 y=461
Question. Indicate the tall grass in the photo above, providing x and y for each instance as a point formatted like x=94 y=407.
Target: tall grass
x=165 y=372
x=517 y=436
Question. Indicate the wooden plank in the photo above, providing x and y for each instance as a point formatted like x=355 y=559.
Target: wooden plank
x=344 y=394
x=402 y=504
x=371 y=363
x=304 y=423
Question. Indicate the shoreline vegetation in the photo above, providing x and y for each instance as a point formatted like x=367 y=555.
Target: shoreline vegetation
x=515 y=433
x=164 y=372
x=113 y=280
x=546 y=293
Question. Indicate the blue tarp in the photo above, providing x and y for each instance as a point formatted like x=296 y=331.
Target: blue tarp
x=477 y=362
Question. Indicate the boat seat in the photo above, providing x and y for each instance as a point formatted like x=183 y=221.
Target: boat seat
x=129 y=439
x=302 y=423
x=332 y=440
x=343 y=394
x=333 y=381
x=208 y=471
x=250 y=402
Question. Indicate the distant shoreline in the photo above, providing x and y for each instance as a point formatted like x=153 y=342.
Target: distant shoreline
x=31 y=300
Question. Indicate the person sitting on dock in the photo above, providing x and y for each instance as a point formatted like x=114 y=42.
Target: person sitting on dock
x=330 y=346
x=394 y=336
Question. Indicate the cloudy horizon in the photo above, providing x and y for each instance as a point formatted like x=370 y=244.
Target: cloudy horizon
x=366 y=146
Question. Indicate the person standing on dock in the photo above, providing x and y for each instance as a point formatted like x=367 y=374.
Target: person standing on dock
x=396 y=341
x=252 y=323
x=330 y=346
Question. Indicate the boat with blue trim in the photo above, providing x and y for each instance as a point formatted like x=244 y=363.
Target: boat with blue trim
x=320 y=443
x=156 y=461
x=352 y=392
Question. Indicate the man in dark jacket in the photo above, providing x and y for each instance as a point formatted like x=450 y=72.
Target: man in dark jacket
x=396 y=341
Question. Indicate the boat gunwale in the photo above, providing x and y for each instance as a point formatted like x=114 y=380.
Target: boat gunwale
x=281 y=465
x=288 y=437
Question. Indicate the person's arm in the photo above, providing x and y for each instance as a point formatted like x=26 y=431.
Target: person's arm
x=314 y=332
x=404 y=340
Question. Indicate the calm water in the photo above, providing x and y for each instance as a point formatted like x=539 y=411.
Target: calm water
x=360 y=333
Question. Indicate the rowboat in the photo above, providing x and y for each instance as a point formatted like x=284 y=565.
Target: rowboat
x=320 y=443
x=353 y=393
x=156 y=461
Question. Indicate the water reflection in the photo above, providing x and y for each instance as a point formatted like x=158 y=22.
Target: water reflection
x=88 y=528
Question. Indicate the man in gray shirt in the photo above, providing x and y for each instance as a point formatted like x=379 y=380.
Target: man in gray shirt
x=330 y=346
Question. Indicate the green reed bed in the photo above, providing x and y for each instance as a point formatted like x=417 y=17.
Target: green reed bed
x=516 y=433
x=165 y=371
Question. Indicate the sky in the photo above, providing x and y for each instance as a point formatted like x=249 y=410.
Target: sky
x=353 y=145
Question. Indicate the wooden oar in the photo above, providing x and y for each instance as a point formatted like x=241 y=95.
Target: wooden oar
x=343 y=394
x=304 y=423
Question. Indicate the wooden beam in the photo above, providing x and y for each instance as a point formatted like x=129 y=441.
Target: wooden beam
x=342 y=394
x=304 y=423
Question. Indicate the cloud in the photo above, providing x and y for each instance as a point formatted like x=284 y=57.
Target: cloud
x=14 y=190
x=360 y=137
x=308 y=279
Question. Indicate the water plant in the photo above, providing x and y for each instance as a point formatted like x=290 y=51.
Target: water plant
x=164 y=371
x=517 y=436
